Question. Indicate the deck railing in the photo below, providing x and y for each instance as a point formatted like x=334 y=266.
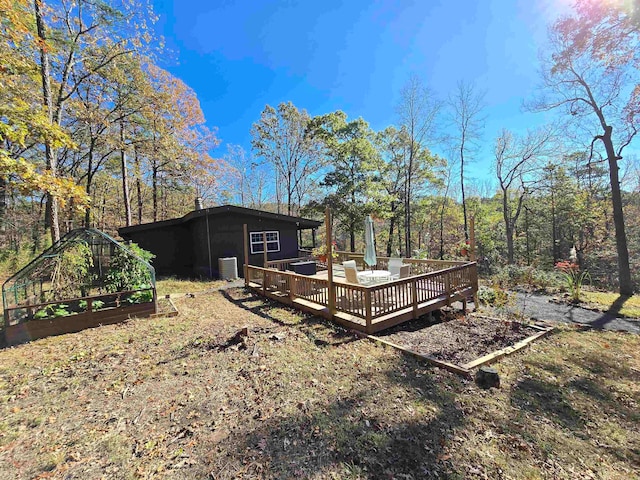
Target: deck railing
x=285 y=263
x=418 y=265
x=371 y=302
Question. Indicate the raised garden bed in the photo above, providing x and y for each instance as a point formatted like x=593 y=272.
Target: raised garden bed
x=461 y=342
x=84 y=280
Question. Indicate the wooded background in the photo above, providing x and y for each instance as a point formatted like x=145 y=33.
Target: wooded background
x=94 y=132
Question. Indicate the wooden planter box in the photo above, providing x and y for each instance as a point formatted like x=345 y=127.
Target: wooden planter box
x=34 y=329
x=113 y=311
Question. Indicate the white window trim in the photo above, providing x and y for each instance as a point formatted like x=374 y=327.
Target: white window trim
x=270 y=243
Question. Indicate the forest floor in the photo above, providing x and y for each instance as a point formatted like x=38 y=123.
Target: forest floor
x=292 y=396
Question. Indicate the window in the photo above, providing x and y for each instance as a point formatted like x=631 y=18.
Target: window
x=257 y=245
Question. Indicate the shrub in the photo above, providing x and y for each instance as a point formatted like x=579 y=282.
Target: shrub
x=126 y=272
x=511 y=276
x=72 y=274
x=493 y=296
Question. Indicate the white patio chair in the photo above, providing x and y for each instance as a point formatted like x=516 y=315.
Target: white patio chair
x=394 y=267
x=350 y=271
x=405 y=270
x=350 y=263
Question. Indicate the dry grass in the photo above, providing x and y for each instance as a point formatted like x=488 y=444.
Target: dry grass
x=298 y=398
x=173 y=285
x=628 y=307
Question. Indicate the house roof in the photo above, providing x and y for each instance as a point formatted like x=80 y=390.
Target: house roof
x=301 y=223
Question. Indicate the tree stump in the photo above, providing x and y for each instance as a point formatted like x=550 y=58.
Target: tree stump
x=487 y=377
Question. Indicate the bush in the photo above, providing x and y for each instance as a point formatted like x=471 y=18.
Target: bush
x=511 y=276
x=72 y=275
x=493 y=296
x=126 y=272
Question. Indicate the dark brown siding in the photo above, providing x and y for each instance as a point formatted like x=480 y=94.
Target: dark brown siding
x=226 y=240
x=172 y=247
x=191 y=246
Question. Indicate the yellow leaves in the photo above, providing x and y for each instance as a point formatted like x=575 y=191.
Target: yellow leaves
x=24 y=176
x=13 y=13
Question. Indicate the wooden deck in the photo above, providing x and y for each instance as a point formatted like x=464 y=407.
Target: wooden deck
x=369 y=308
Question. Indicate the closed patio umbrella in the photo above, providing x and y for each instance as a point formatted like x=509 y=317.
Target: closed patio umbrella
x=369 y=243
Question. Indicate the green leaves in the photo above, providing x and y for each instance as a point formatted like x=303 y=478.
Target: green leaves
x=126 y=272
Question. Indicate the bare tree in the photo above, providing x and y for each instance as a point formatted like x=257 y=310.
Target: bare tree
x=418 y=111
x=515 y=158
x=589 y=86
x=466 y=105
x=249 y=177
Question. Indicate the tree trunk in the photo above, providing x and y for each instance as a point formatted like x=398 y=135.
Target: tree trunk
x=624 y=272
x=125 y=175
x=441 y=255
x=392 y=223
x=526 y=229
x=3 y=205
x=554 y=230
x=508 y=227
x=510 y=249
x=47 y=96
x=138 y=184
x=407 y=207
x=352 y=237
x=87 y=212
x=464 y=200
x=154 y=187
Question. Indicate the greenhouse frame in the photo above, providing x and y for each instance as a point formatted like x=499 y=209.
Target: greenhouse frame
x=85 y=279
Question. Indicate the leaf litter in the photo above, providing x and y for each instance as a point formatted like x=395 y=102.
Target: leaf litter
x=181 y=398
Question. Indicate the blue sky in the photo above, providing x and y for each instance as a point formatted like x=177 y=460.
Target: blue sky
x=355 y=56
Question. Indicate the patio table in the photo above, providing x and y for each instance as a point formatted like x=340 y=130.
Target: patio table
x=374 y=276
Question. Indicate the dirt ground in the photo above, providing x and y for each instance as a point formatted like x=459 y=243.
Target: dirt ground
x=292 y=396
x=456 y=338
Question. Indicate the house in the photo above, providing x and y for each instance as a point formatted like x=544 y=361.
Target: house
x=191 y=246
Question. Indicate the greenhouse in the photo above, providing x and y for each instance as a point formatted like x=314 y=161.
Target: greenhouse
x=85 y=279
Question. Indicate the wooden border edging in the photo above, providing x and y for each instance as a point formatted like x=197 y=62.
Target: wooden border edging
x=434 y=361
x=463 y=370
x=173 y=313
x=491 y=357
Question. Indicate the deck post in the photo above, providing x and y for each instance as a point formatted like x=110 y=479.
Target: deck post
x=246 y=255
x=292 y=287
x=447 y=287
x=332 y=292
x=414 y=298
x=264 y=282
x=367 y=309
x=264 y=246
x=474 y=285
